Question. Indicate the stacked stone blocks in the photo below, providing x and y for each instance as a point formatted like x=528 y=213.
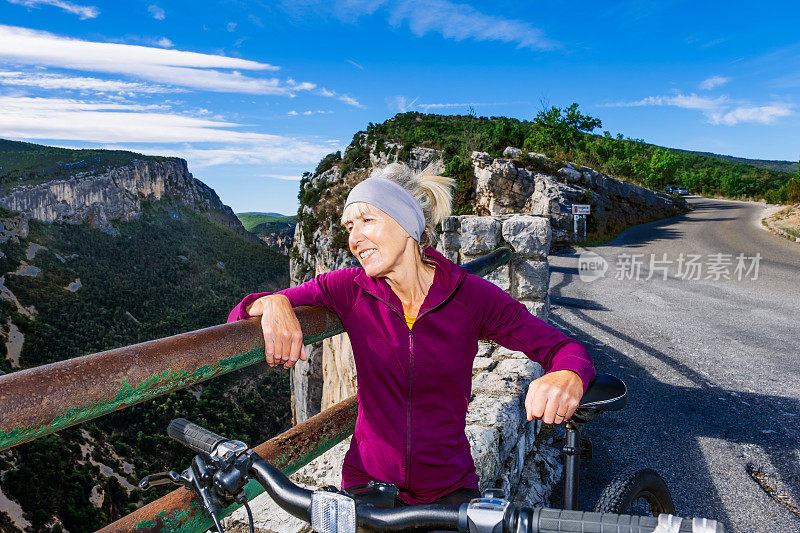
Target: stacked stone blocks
x=527 y=276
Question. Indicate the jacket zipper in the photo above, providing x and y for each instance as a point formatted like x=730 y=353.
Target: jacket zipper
x=408 y=409
x=410 y=375
x=410 y=372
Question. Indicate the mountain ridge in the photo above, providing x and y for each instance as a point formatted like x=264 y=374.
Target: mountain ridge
x=778 y=165
x=99 y=187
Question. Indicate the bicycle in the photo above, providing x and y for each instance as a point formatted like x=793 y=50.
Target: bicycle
x=222 y=467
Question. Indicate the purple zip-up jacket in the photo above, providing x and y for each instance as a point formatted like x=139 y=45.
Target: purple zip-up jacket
x=414 y=384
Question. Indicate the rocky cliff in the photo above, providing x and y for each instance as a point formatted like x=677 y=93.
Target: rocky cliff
x=117 y=193
x=277 y=236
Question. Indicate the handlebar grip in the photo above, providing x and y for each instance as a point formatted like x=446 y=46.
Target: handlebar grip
x=558 y=520
x=193 y=436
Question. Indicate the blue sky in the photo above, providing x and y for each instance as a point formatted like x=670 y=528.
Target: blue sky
x=254 y=93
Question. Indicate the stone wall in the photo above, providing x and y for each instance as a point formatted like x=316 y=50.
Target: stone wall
x=508 y=451
x=527 y=276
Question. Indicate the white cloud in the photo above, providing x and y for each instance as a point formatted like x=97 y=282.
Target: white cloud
x=157 y=12
x=714 y=81
x=460 y=21
x=690 y=101
x=175 y=67
x=152 y=125
x=84 y=12
x=309 y=112
x=448 y=19
x=349 y=100
x=401 y=103
x=354 y=64
x=303 y=86
x=78 y=120
x=427 y=107
x=48 y=81
x=231 y=26
x=720 y=110
x=153 y=63
x=714 y=42
x=766 y=114
x=285 y=150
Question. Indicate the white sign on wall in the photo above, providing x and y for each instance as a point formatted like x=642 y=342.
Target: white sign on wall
x=581 y=209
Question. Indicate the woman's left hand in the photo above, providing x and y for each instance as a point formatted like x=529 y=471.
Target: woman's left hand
x=554 y=397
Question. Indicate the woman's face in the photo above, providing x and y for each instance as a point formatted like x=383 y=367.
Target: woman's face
x=378 y=241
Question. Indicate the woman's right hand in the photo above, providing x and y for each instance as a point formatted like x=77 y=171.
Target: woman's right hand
x=283 y=338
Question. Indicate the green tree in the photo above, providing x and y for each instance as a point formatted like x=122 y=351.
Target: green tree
x=793 y=191
x=663 y=166
x=461 y=170
x=506 y=133
x=562 y=128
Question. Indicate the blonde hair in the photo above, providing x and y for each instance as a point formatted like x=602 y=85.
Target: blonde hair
x=431 y=190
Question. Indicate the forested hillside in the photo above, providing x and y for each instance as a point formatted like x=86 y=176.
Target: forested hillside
x=566 y=135
x=790 y=167
x=266 y=223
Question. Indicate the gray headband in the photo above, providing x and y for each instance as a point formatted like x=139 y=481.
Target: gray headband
x=391 y=198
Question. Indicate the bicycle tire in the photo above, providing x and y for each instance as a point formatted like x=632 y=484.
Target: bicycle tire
x=638 y=492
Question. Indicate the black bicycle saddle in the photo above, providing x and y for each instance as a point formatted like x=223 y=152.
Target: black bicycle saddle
x=605 y=393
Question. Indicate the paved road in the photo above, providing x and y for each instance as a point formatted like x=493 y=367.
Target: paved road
x=712 y=365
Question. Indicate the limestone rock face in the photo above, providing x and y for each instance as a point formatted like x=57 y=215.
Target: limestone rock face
x=419 y=158
x=508 y=186
x=280 y=240
x=116 y=194
x=500 y=186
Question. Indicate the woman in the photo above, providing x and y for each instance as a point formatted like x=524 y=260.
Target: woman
x=414 y=319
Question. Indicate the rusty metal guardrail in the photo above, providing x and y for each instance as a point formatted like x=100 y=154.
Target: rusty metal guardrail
x=42 y=400
x=45 y=399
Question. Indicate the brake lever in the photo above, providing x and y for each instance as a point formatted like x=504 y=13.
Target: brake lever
x=162 y=478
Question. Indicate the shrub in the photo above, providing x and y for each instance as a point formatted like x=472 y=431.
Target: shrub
x=793 y=191
x=464 y=193
x=327 y=162
x=356 y=156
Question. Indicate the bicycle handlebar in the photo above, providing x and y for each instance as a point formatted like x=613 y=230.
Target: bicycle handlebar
x=193 y=436
x=475 y=517
x=297 y=501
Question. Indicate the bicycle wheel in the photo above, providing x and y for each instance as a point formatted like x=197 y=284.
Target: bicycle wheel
x=637 y=492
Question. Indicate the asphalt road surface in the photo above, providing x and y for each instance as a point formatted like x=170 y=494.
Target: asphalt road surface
x=709 y=347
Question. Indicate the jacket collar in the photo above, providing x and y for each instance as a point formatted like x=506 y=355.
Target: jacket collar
x=446 y=279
